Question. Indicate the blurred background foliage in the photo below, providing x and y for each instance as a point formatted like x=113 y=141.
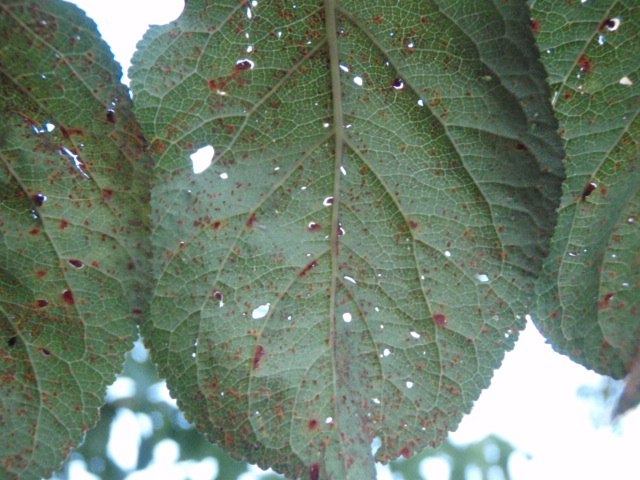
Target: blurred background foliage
x=139 y=405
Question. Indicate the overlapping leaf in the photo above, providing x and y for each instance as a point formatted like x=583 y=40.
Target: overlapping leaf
x=589 y=290
x=73 y=231
x=362 y=250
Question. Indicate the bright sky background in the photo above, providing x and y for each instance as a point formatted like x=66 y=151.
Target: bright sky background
x=532 y=400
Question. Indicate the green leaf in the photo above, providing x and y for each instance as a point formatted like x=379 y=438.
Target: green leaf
x=73 y=231
x=589 y=290
x=362 y=250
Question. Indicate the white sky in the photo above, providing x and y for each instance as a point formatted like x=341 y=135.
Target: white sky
x=532 y=400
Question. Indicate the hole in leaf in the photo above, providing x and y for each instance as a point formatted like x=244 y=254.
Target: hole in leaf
x=202 y=158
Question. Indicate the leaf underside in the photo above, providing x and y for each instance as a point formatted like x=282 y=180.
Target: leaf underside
x=589 y=291
x=73 y=231
x=362 y=250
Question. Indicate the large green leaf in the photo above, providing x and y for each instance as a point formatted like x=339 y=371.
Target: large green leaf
x=73 y=231
x=362 y=250
x=589 y=290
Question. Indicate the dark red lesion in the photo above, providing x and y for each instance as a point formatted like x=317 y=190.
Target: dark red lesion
x=68 y=298
x=588 y=190
x=308 y=268
x=585 y=64
x=440 y=320
x=257 y=356
x=314 y=472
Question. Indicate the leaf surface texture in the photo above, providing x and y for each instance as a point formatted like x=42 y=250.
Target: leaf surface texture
x=362 y=249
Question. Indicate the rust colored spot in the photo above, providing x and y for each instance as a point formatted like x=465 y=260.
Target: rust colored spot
x=216 y=225
x=12 y=341
x=157 y=146
x=45 y=352
x=258 y=356
x=243 y=65
x=413 y=224
x=64 y=224
x=67 y=132
x=378 y=19
x=314 y=472
x=588 y=190
x=252 y=220
x=137 y=311
x=308 y=268
x=605 y=303
x=111 y=115
x=398 y=84
x=67 y=296
x=535 y=25
x=314 y=227
x=313 y=424
x=603 y=191
x=554 y=314
x=217 y=295
x=38 y=199
x=76 y=263
x=584 y=63
x=522 y=147
x=216 y=86
x=35 y=231
x=440 y=320
x=107 y=193
x=405 y=452
x=41 y=273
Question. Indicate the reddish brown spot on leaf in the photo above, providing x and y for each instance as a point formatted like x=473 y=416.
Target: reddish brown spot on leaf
x=440 y=319
x=45 y=352
x=555 y=314
x=605 y=303
x=313 y=424
x=68 y=132
x=38 y=199
x=107 y=193
x=413 y=224
x=12 y=341
x=252 y=220
x=244 y=64
x=216 y=225
x=217 y=295
x=535 y=25
x=41 y=273
x=64 y=224
x=35 y=231
x=131 y=266
x=67 y=297
x=405 y=452
x=398 y=84
x=308 y=268
x=585 y=64
x=314 y=472
x=76 y=263
x=522 y=147
x=111 y=115
x=257 y=357
x=314 y=227
x=588 y=190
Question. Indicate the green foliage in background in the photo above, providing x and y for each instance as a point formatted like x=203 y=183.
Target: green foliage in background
x=376 y=222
